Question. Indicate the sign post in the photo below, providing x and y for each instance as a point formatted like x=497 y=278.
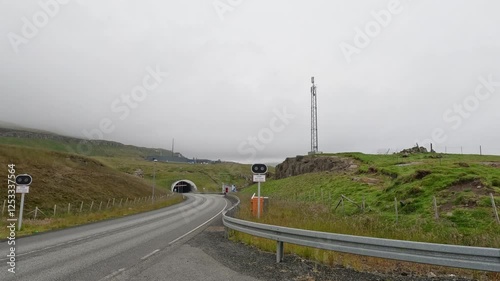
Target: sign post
x=259 y=176
x=23 y=182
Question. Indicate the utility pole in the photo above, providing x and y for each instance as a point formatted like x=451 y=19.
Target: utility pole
x=314 y=119
x=173 y=147
x=154 y=181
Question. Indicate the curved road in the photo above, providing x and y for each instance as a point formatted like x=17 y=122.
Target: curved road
x=113 y=249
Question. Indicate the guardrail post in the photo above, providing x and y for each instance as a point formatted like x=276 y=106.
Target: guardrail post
x=279 y=251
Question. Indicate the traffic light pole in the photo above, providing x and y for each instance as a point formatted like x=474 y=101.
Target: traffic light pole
x=21 y=213
x=258 y=200
x=260 y=171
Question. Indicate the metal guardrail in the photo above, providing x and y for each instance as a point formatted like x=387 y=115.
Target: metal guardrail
x=479 y=258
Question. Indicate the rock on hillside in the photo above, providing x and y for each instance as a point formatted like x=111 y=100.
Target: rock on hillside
x=309 y=164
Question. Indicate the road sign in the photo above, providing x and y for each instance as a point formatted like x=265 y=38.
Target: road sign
x=259 y=178
x=259 y=168
x=23 y=189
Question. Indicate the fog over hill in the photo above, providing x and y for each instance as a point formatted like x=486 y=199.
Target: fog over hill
x=231 y=79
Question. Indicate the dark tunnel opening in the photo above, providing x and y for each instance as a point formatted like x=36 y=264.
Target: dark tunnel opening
x=183 y=187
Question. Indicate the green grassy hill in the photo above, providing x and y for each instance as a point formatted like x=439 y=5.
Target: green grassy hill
x=85 y=148
x=461 y=184
x=209 y=176
x=62 y=178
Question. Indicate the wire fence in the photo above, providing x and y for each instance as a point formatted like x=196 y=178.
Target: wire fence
x=448 y=149
x=88 y=206
x=344 y=205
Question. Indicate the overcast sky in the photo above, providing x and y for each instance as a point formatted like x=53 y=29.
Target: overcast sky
x=230 y=79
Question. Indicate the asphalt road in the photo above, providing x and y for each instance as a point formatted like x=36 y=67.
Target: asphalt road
x=148 y=246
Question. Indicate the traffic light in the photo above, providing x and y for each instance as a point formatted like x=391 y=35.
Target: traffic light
x=259 y=168
x=24 y=179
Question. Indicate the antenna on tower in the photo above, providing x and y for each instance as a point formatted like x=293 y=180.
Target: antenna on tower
x=314 y=119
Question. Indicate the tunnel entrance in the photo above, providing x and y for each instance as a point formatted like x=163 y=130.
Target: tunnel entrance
x=184 y=186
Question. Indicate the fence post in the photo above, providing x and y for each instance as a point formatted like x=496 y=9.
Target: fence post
x=91 y=205
x=36 y=212
x=69 y=207
x=107 y=206
x=113 y=202
x=363 y=204
x=55 y=207
x=494 y=208
x=81 y=207
x=3 y=207
x=121 y=202
x=100 y=204
x=434 y=201
x=396 y=208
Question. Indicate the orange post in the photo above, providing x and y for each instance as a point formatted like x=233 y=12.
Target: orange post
x=254 y=205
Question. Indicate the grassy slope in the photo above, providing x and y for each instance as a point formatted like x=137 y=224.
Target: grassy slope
x=61 y=178
x=465 y=210
x=75 y=146
x=210 y=176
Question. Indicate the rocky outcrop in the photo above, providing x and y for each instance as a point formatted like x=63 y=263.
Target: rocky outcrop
x=139 y=173
x=414 y=150
x=310 y=164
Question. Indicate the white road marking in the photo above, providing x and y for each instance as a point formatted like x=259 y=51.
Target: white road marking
x=150 y=254
x=210 y=219
x=113 y=274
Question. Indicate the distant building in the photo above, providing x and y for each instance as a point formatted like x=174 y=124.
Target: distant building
x=177 y=158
